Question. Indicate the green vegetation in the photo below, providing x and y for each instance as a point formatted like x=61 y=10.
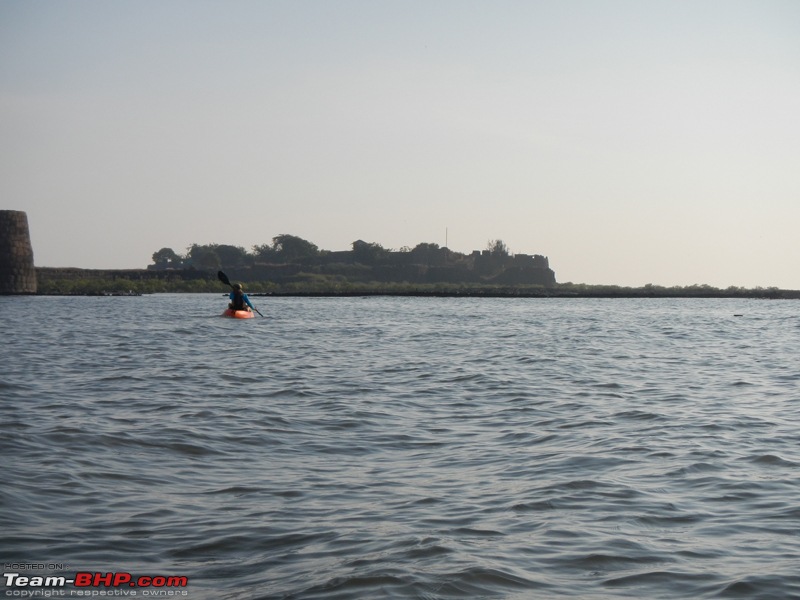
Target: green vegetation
x=657 y=291
x=80 y=282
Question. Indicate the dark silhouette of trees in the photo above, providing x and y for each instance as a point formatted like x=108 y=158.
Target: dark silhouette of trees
x=232 y=256
x=368 y=253
x=290 y=258
x=166 y=258
x=214 y=256
x=286 y=248
x=264 y=253
x=291 y=247
x=429 y=254
x=498 y=248
x=203 y=257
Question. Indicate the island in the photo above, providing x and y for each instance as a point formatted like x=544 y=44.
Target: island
x=292 y=266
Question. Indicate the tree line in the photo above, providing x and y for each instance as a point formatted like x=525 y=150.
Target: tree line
x=291 y=249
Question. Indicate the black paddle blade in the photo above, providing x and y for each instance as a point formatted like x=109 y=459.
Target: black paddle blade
x=223 y=278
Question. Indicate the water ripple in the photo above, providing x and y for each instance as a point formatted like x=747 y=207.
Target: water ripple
x=408 y=448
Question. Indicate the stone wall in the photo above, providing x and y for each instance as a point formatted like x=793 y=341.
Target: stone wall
x=17 y=273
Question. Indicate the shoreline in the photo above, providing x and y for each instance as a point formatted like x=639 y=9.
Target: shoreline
x=782 y=295
x=550 y=294
x=83 y=282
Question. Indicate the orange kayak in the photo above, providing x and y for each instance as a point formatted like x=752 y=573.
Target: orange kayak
x=239 y=314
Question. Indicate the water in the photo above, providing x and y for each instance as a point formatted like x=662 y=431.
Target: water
x=406 y=447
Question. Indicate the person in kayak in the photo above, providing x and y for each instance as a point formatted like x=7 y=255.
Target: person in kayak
x=239 y=299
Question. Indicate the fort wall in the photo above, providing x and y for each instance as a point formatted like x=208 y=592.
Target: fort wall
x=17 y=272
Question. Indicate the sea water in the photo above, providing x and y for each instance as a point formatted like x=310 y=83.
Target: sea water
x=403 y=447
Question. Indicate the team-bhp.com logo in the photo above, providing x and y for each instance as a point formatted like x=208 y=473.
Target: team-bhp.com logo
x=85 y=583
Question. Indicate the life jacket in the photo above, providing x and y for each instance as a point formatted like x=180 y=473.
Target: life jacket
x=238 y=300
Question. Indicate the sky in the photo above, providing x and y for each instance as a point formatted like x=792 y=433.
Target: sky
x=630 y=141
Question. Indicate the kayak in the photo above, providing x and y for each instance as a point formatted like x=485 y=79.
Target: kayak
x=239 y=314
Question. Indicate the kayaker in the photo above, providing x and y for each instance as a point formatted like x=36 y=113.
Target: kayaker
x=239 y=299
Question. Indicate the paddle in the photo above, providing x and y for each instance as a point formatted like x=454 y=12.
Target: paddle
x=224 y=279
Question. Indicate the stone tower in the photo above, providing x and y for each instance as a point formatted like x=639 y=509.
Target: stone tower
x=17 y=274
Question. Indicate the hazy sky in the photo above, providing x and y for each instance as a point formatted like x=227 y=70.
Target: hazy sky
x=631 y=141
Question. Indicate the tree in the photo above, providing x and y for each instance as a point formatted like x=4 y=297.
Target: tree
x=264 y=252
x=291 y=248
x=368 y=253
x=203 y=257
x=166 y=258
x=231 y=256
x=427 y=253
x=498 y=248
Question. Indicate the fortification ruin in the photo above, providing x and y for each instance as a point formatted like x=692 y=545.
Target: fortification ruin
x=17 y=273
